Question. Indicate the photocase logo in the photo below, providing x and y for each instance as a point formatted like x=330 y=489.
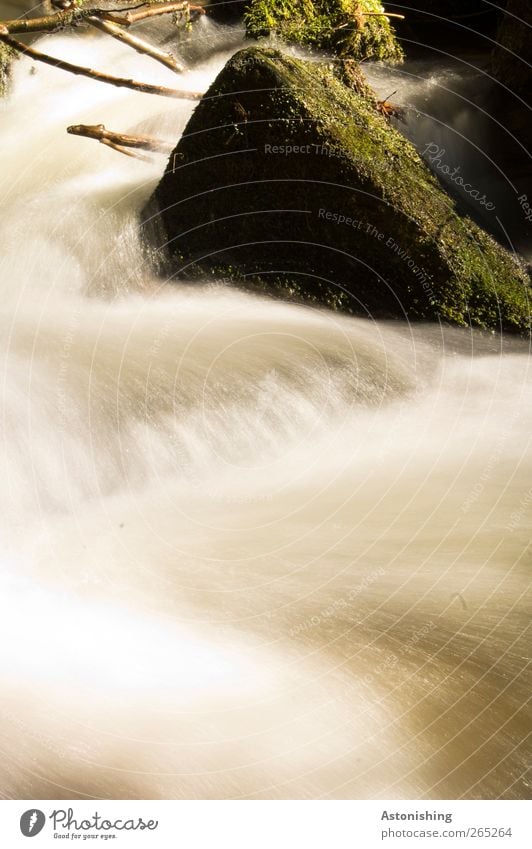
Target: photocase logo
x=32 y=822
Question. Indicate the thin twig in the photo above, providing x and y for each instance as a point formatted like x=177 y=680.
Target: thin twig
x=137 y=44
x=99 y=133
x=130 y=18
x=120 y=82
x=365 y=15
x=382 y=15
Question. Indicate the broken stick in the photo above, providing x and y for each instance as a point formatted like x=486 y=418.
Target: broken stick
x=101 y=134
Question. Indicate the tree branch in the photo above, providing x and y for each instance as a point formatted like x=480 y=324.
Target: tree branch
x=120 y=82
x=48 y=23
x=155 y=9
x=72 y=17
x=137 y=44
x=99 y=133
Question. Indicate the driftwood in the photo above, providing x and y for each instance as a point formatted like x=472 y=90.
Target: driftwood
x=104 y=136
x=121 y=82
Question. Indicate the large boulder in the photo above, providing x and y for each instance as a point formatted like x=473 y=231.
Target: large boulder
x=287 y=180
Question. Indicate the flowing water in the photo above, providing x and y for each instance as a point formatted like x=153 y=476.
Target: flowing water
x=248 y=549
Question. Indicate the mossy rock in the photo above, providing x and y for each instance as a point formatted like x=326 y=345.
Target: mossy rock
x=288 y=181
x=6 y=57
x=351 y=28
x=351 y=74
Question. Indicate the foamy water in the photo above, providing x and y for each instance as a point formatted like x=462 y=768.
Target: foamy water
x=248 y=549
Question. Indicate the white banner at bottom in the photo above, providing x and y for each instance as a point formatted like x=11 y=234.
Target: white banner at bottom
x=267 y=824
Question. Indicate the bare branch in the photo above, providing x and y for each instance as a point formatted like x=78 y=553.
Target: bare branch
x=137 y=44
x=48 y=23
x=120 y=82
x=155 y=9
x=99 y=133
x=75 y=16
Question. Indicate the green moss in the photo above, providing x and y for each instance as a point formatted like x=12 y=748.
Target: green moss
x=6 y=57
x=349 y=28
x=229 y=200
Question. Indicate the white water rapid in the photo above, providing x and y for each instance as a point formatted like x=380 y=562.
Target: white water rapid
x=248 y=549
